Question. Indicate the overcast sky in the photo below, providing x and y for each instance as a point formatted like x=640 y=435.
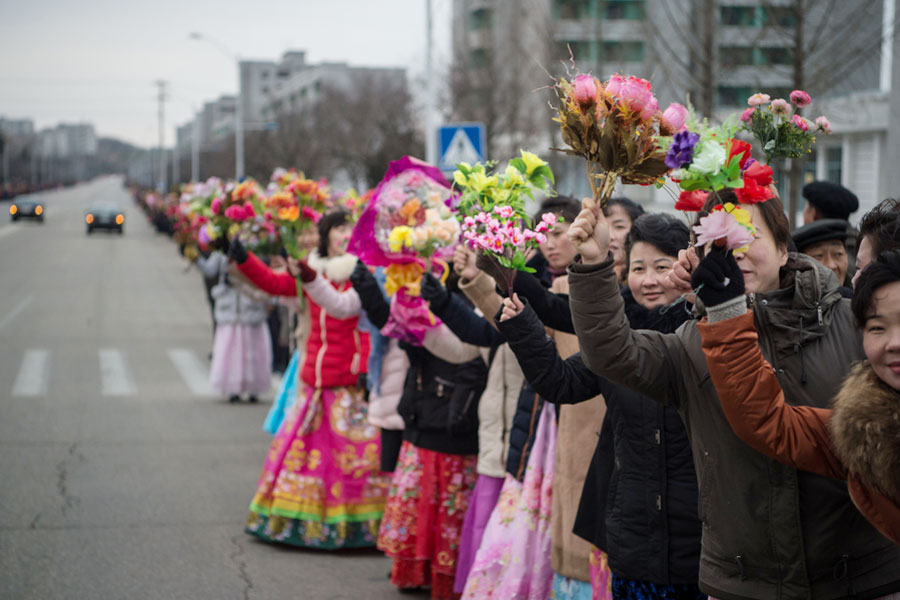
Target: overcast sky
x=96 y=60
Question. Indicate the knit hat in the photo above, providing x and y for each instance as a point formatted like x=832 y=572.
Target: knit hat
x=833 y=201
x=819 y=231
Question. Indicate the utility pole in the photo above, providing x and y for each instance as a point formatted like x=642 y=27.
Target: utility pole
x=161 y=97
x=430 y=126
x=195 y=149
x=239 y=126
x=176 y=163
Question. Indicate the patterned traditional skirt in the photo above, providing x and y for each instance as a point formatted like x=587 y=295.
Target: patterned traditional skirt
x=321 y=486
x=423 y=518
x=601 y=578
x=241 y=360
x=513 y=561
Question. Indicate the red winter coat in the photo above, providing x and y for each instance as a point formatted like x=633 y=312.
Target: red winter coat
x=337 y=351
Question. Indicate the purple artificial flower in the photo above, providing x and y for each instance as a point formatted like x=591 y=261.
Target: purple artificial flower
x=681 y=152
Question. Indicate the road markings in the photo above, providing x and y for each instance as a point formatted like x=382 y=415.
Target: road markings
x=192 y=370
x=34 y=374
x=115 y=378
x=15 y=312
x=8 y=230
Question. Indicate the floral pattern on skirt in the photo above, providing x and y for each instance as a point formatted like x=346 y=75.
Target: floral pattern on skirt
x=321 y=486
x=514 y=559
x=601 y=578
x=423 y=518
x=566 y=588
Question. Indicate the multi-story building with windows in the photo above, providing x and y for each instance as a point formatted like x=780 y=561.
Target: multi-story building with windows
x=713 y=53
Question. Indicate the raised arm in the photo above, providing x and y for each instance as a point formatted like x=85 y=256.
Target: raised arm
x=260 y=275
x=444 y=344
x=551 y=308
x=753 y=401
x=340 y=304
x=646 y=361
x=558 y=381
x=482 y=291
x=373 y=299
x=462 y=320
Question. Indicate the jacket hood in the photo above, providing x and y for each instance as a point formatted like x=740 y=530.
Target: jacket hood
x=865 y=427
x=336 y=269
x=801 y=311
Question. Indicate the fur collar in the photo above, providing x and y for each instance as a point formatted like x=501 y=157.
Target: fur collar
x=336 y=270
x=865 y=427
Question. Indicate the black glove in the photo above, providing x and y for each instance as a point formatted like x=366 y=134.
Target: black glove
x=237 y=252
x=360 y=273
x=433 y=292
x=718 y=277
x=370 y=295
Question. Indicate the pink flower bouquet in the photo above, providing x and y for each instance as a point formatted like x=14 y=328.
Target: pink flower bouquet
x=781 y=131
x=615 y=126
x=494 y=221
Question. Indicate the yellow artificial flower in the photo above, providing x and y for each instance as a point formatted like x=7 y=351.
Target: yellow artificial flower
x=399 y=237
x=532 y=162
x=460 y=179
x=513 y=177
x=478 y=181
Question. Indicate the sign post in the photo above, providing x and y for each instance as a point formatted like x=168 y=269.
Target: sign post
x=460 y=142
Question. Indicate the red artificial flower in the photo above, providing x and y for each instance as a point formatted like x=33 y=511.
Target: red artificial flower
x=753 y=192
x=760 y=173
x=736 y=147
x=691 y=201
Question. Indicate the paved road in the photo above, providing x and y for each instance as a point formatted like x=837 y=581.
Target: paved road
x=121 y=476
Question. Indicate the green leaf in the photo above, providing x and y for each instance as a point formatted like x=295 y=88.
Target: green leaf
x=528 y=270
x=518 y=164
x=545 y=171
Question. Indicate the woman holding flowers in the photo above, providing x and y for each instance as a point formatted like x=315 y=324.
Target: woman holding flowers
x=639 y=500
x=242 y=349
x=321 y=486
x=769 y=531
x=859 y=438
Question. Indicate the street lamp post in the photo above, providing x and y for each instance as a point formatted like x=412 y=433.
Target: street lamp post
x=239 y=108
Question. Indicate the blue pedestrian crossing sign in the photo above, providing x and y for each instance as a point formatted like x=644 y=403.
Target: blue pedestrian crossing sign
x=460 y=142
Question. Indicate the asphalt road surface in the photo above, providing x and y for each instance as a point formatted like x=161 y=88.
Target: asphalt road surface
x=121 y=474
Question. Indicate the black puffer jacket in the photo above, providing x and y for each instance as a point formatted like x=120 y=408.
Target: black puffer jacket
x=439 y=404
x=639 y=501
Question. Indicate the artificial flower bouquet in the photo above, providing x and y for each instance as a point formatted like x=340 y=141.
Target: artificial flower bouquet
x=778 y=126
x=492 y=208
x=616 y=126
x=295 y=204
x=407 y=226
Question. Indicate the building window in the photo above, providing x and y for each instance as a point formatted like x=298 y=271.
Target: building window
x=632 y=10
x=739 y=56
x=735 y=56
x=781 y=16
x=572 y=9
x=478 y=58
x=618 y=52
x=776 y=56
x=742 y=16
x=480 y=18
x=833 y=158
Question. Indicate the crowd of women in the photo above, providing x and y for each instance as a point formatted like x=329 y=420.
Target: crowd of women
x=640 y=419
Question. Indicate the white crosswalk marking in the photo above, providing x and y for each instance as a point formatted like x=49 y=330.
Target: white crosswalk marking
x=34 y=374
x=115 y=378
x=192 y=370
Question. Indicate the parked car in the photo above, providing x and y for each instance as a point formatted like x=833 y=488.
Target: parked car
x=26 y=209
x=105 y=215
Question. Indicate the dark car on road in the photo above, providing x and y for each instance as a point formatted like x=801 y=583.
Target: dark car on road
x=26 y=209
x=105 y=215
